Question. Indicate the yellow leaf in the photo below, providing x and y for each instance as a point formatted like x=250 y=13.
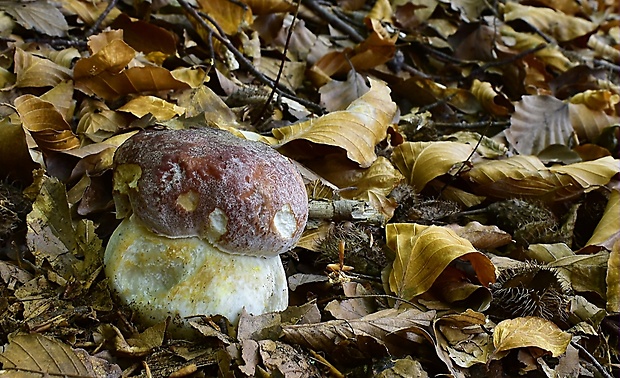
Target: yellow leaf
x=530 y=332
x=527 y=176
x=45 y=123
x=160 y=109
x=33 y=71
x=554 y=23
x=421 y=162
x=357 y=129
x=613 y=279
x=229 y=15
x=422 y=254
x=607 y=232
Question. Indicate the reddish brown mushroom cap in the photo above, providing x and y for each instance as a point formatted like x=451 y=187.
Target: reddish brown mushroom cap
x=242 y=196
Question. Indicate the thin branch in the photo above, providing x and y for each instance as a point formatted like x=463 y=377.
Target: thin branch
x=102 y=16
x=243 y=61
x=473 y=125
x=279 y=75
x=593 y=360
x=333 y=20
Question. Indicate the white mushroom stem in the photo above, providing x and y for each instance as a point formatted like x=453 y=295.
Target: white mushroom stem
x=161 y=276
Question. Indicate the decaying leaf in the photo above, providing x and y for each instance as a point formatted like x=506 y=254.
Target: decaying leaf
x=46 y=124
x=422 y=254
x=527 y=176
x=529 y=332
x=42 y=16
x=613 y=279
x=537 y=123
x=382 y=331
x=37 y=355
x=421 y=162
x=356 y=130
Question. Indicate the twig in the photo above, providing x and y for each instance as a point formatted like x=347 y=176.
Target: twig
x=473 y=125
x=344 y=209
x=593 y=360
x=243 y=61
x=102 y=16
x=333 y=20
x=279 y=75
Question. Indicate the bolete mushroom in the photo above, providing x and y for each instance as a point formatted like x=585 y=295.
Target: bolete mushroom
x=206 y=215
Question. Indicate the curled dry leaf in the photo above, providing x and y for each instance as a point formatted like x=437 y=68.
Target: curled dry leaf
x=424 y=252
x=493 y=102
x=527 y=176
x=357 y=130
x=421 y=162
x=160 y=109
x=46 y=124
x=527 y=332
x=230 y=16
x=462 y=340
x=607 y=232
x=613 y=279
x=34 y=71
x=551 y=55
x=589 y=123
x=551 y=22
x=482 y=236
x=537 y=123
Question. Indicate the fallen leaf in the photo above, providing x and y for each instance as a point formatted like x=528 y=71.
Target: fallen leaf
x=356 y=130
x=613 y=279
x=529 y=332
x=34 y=71
x=422 y=254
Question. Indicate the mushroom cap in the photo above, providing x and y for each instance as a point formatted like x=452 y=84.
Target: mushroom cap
x=158 y=276
x=242 y=196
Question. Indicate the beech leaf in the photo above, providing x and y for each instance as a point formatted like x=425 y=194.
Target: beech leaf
x=607 y=232
x=421 y=162
x=46 y=124
x=357 y=130
x=537 y=123
x=530 y=332
x=422 y=254
x=40 y=15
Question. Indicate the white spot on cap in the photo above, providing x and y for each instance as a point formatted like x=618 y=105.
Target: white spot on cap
x=284 y=222
x=217 y=224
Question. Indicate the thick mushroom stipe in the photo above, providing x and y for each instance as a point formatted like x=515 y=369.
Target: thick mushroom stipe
x=158 y=276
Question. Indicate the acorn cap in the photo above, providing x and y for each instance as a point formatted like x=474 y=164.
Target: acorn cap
x=242 y=196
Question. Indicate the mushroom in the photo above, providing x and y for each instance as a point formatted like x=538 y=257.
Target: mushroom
x=206 y=215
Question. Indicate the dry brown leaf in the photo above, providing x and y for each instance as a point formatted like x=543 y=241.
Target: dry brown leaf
x=97 y=122
x=421 y=162
x=527 y=176
x=42 y=16
x=537 y=123
x=133 y=80
x=17 y=164
x=607 y=232
x=90 y=11
x=613 y=279
x=160 y=109
x=46 y=124
x=37 y=355
x=551 y=55
x=337 y=95
x=270 y=6
x=462 y=338
x=529 y=332
x=554 y=23
x=112 y=58
x=422 y=254
x=356 y=130
x=482 y=236
x=230 y=16
x=280 y=358
x=389 y=329
x=589 y=123
x=493 y=102
x=603 y=48
x=61 y=96
x=34 y=71
x=377 y=49
x=146 y=37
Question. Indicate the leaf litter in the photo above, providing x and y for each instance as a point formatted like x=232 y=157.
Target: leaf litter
x=463 y=157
